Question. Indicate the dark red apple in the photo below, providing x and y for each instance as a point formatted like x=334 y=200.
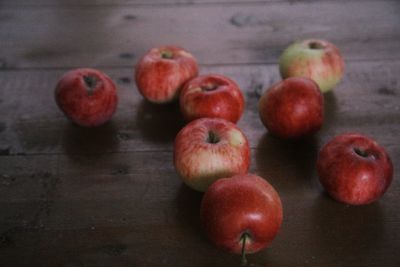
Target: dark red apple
x=212 y=96
x=316 y=59
x=354 y=169
x=210 y=148
x=86 y=96
x=292 y=108
x=241 y=214
x=162 y=71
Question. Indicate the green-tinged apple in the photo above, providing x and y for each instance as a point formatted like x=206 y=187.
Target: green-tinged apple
x=316 y=59
x=162 y=71
x=354 y=169
x=292 y=108
x=87 y=97
x=207 y=149
x=211 y=96
x=241 y=214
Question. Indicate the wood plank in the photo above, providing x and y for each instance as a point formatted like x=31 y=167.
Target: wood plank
x=163 y=245
x=8 y=3
x=27 y=187
x=110 y=196
x=366 y=101
x=68 y=202
x=114 y=209
x=72 y=36
x=17 y=174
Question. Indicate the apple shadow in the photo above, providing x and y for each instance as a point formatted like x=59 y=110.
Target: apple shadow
x=281 y=161
x=330 y=110
x=159 y=123
x=188 y=203
x=344 y=231
x=97 y=140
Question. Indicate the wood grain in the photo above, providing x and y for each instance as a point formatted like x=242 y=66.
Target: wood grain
x=110 y=196
x=114 y=210
x=76 y=36
x=34 y=124
x=158 y=3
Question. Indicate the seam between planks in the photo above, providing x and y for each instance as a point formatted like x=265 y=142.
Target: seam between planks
x=172 y=4
x=131 y=66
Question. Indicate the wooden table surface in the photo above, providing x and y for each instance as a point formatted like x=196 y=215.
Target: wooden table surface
x=110 y=196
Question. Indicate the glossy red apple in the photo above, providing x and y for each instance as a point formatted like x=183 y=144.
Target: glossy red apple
x=162 y=71
x=241 y=214
x=86 y=96
x=354 y=169
x=292 y=108
x=316 y=59
x=211 y=96
x=209 y=148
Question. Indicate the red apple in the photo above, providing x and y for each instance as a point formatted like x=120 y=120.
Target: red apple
x=316 y=59
x=212 y=96
x=241 y=214
x=292 y=108
x=162 y=71
x=354 y=169
x=209 y=148
x=86 y=96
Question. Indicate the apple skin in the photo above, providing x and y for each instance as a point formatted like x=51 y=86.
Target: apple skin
x=207 y=149
x=292 y=108
x=242 y=204
x=87 y=96
x=354 y=169
x=162 y=71
x=316 y=59
x=212 y=96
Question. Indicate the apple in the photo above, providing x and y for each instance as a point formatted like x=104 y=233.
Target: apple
x=241 y=214
x=86 y=96
x=292 y=108
x=212 y=96
x=207 y=149
x=354 y=169
x=162 y=71
x=316 y=59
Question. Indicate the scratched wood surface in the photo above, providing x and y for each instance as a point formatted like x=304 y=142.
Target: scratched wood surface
x=146 y=2
x=110 y=196
x=103 y=36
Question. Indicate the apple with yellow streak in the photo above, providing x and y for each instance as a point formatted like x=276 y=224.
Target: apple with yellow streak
x=207 y=149
x=318 y=60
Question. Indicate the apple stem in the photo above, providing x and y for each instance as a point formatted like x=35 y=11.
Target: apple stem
x=315 y=45
x=212 y=138
x=90 y=82
x=361 y=153
x=166 y=54
x=209 y=87
x=244 y=260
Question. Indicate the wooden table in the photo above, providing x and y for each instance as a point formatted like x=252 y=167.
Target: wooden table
x=110 y=196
